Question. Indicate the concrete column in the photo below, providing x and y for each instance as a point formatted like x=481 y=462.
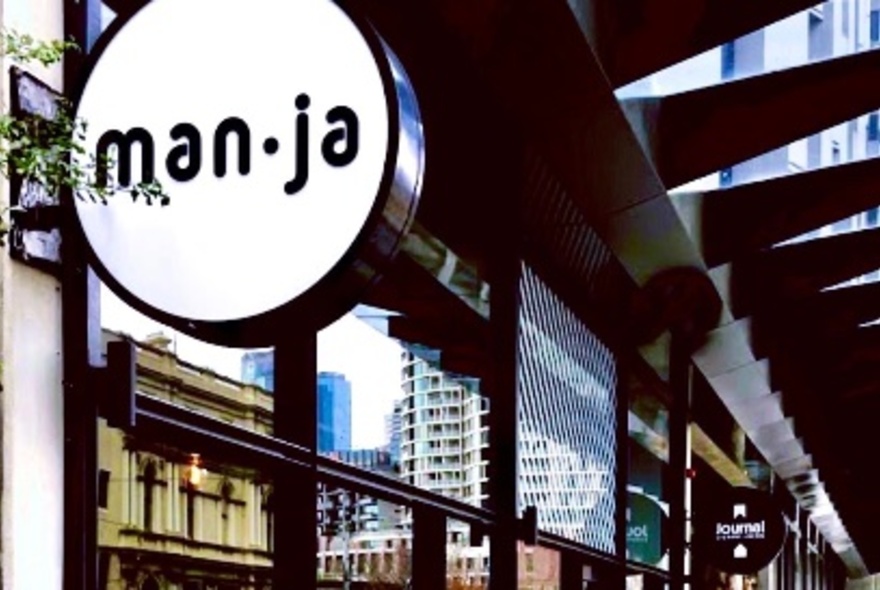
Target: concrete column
x=125 y=487
x=174 y=489
x=256 y=512
x=233 y=530
x=133 y=495
x=137 y=497
x=169 y=497
x=199 y=518
x=184 y=513
x=32 y=430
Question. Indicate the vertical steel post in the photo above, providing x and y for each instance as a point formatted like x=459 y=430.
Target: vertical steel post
x=680 y=387
x=621 y=475
x=429 y=549
x=571 y=571
x=504 y=414
x=80 y=300
x=295 y=491
x=81 y=326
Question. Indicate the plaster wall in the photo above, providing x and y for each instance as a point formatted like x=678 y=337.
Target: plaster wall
x=31 y=509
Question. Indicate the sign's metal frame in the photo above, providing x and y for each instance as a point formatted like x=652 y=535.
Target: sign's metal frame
x=35 y=216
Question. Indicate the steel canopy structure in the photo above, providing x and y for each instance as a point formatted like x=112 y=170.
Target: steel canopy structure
x=531 y=150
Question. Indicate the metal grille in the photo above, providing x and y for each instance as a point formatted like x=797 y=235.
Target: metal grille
x=567 y=420
x=566 y=237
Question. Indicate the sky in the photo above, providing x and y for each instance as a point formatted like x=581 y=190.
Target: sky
x=370 y=361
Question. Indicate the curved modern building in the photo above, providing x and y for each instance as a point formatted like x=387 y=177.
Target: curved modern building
x=444 y=432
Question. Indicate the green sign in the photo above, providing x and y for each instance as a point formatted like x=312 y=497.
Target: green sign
x=646 y=525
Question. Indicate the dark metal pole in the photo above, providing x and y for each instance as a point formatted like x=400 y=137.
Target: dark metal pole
x=504 y=417
x=429 y=549
x=571 y=571
x=680 y=387
x=81 y=328
x=622 y=470
x=79 y=293
x=295 y=490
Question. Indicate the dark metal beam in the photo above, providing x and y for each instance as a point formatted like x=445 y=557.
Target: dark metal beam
x=860 y=382
x=771 y=277
x=699 y=132
x=635 y=39
x=465 y=355
x=422 y=298
x=849 y=361
x=529 y=47
x=825 y=321
x=738 y=220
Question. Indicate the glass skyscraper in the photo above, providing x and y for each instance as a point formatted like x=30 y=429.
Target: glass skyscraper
x=334 y=399
x=334 y=412
x=257 y=368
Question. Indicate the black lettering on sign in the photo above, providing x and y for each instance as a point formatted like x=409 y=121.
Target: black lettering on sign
x=339 y=148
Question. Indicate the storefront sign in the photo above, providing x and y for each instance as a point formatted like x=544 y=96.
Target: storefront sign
x=646 y=529
x=289 y=141
x=741 y=532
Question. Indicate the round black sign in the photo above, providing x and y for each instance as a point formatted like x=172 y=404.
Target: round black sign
x=741 y=531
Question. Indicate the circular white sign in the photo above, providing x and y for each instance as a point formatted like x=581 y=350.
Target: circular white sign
x=266 y=122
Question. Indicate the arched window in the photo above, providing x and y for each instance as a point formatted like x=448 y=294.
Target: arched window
x=149 y=485
x=150 y=583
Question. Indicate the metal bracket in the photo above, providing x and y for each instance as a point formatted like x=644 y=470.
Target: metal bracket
x=35 y=237
x=528 y=526
x=35 y=215
x=116 y=385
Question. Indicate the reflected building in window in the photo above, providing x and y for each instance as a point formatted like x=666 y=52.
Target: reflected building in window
x=257 y=368
x=394 y=431
x=172 y=519
x=444 y=430
x=334 y=412
x=334 y=398
x=567 y=389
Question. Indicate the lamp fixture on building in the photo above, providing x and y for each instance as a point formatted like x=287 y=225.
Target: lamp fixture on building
x=194 y=473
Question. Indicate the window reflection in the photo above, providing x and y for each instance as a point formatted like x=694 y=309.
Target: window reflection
x=360 y=540
x=467 y=558
x=172 y=519
x=444 y=430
